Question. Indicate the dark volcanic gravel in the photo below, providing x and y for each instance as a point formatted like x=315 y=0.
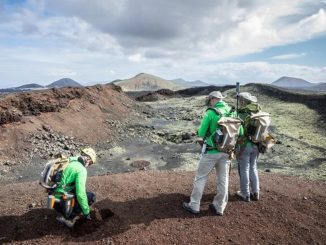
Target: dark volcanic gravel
x=144 y=207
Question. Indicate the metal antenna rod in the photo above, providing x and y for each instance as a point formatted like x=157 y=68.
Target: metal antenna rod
x=238 y=92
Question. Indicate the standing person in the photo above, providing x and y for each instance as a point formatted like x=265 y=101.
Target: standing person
x=211 y=158
x=248 y=151
x=72 y=187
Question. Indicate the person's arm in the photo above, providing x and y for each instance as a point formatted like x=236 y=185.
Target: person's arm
x=204 y=125
x=241 y=131
x=81 y=191
x=242 y=136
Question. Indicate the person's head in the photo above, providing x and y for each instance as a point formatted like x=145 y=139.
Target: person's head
x=246 y=98
x=214 y=97
x=89 y=156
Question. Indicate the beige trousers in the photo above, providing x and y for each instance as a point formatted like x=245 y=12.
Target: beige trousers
x=206 y=164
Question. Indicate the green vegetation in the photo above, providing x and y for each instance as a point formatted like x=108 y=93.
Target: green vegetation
x=301 y=135
x=299 y=130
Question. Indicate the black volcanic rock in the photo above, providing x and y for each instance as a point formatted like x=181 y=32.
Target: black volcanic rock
x=64 y=82
x=197 y=91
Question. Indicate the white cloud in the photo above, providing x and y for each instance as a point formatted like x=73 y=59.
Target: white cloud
x=288 y=56
x=136 y=58
x=262 y=72
x=306 y=28
x=57 y=72
x=169 y=38
x=33 y=65
x=218 y=29
x=112 y=72
x=145 y=24
x=260 y=29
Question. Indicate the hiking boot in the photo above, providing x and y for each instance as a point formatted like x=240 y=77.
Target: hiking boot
x=187 y=207
x=212 y=207
x=67 y=222
x=254 y=196
x=243 y=197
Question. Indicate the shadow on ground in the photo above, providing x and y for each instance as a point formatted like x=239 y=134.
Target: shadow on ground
x=109 y=218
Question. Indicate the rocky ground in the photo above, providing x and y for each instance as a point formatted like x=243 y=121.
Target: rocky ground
x=144 y=207
x=160 y=130
x=147 y=156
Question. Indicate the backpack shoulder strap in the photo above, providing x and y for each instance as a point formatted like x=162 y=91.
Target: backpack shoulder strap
x=217 y=111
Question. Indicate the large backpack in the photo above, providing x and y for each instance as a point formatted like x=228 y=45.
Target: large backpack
x=52 y=172
x=227 y=132
x=257 y=126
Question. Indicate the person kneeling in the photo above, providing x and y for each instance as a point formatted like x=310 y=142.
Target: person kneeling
x=72 y=200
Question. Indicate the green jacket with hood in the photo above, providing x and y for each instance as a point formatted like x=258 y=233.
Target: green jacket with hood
x=245 y=113
x=209 y=125
x=74 y=181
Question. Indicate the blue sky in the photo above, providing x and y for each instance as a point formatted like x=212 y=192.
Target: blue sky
x=216 y=41
x=311 y=52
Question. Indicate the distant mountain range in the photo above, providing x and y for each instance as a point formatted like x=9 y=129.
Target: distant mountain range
x=64 y=82
x=148 y=82
x=299 y=84
x=189 y=84
x=320 y=87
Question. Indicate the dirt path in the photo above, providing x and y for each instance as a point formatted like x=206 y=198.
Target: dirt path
x=144 y=207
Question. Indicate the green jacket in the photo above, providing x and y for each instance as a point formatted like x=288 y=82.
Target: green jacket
x=209 y=125
x=74 y=181
x=244 y=114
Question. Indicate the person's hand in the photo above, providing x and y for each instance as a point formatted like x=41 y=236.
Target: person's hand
x=200 y=141
x=240 y=141
x=87 y=217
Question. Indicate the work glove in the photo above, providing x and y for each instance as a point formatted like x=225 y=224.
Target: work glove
x=87 y=217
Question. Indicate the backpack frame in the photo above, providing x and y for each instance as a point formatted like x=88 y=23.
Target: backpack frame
x=52 y=172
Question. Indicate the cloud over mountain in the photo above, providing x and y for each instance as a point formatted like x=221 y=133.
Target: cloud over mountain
x=168 y=38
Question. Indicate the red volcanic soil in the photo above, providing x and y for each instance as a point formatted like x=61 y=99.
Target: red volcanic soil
x=144 y=207
x=81 y=113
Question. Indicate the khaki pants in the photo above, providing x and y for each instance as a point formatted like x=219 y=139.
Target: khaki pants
x=206 y=164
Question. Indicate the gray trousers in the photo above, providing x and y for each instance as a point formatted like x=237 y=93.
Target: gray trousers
x=247 y=163
x=206 y=164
